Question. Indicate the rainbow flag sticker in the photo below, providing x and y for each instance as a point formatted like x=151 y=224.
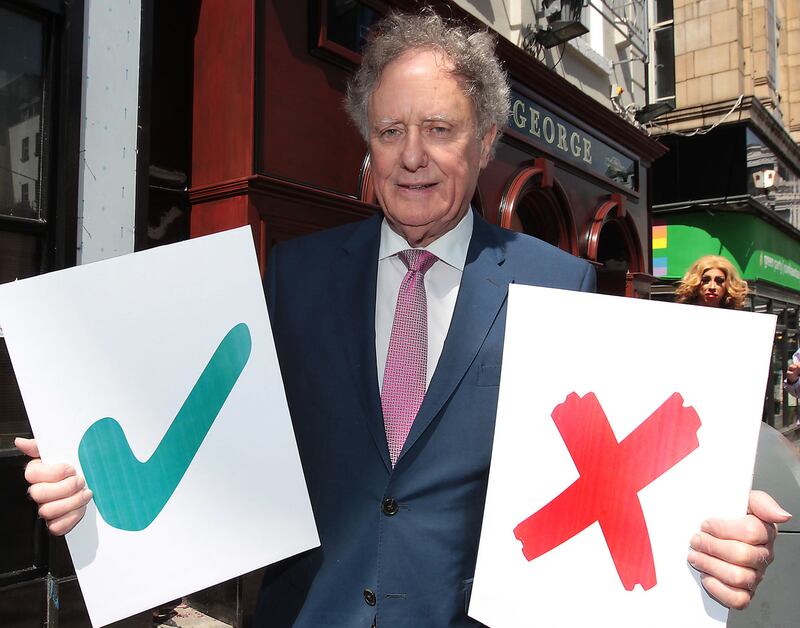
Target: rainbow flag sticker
x=659 y=250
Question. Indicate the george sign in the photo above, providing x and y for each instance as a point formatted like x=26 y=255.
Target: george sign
x=609 y=452
x=155 y=375
x=553 y=134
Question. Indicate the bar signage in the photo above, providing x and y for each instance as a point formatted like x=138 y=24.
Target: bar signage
x=565 y=141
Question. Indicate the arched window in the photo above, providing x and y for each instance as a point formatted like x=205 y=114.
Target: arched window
x=536 y=204
x=613 y=243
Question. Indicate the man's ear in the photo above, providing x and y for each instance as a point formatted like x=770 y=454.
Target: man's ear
x=486 y=145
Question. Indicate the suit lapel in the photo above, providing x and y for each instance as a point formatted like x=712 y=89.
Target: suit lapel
x=483 y=290
x=355 y=278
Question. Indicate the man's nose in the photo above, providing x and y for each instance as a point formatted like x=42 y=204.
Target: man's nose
x=414 y=155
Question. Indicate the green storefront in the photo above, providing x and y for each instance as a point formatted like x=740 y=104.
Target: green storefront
x=766 y=250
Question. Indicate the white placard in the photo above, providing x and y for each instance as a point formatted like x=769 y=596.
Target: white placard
x=129 y=338
x=633 y=355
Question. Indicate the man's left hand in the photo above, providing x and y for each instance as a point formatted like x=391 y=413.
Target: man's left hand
x=793 y=373
x=732 y=555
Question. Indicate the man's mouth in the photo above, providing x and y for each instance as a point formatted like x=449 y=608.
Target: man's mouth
x=416 y=186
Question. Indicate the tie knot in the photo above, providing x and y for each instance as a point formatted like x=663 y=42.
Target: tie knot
x=418 y=260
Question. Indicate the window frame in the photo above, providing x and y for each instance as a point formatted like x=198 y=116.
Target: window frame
x=653 y=28
x=41 y=12
x=592 y=18
x=54 y=239
x=25 y=149
x=324 y=47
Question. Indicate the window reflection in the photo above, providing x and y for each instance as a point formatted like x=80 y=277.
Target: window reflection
x=21 y=92
x=349 y=22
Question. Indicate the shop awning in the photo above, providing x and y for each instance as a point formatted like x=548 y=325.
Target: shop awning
x=760 y=250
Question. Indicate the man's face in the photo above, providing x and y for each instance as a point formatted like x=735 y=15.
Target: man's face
x=424 y=148
x=713 y=285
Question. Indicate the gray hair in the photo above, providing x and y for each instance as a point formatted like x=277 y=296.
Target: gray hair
x=471 y=53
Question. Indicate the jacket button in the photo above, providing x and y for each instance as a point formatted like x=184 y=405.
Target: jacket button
x=389 y=507
x=369 y=597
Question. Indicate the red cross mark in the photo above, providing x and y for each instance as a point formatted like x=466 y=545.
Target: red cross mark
x=611 y=475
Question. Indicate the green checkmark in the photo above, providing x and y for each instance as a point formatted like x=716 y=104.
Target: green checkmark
x=128 y=493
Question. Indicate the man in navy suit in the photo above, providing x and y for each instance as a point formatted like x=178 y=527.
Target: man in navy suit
x=390 y=337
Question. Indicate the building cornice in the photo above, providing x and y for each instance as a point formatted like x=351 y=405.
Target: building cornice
x=743 y=203
x=283 y=189
x=751 y=111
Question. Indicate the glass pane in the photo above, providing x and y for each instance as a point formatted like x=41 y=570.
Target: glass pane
x=537 y=216
x=349 y=22
x=21 y=91
x=663 y=10
x=13 y=419
x=664 y=63
x=18 y=529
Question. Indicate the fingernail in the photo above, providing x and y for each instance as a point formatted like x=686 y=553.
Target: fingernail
x=786 y=514
x=87 y=493
x=81 y=482
x=695 y=541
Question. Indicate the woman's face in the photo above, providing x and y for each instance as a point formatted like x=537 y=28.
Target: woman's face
x=712 y=288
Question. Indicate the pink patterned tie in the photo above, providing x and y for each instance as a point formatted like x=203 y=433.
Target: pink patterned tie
x=405 y=375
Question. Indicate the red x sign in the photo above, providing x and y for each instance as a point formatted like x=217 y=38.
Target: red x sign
x=611 y=475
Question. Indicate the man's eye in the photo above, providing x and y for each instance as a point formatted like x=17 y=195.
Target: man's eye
x=390 y=133
x=440 y=130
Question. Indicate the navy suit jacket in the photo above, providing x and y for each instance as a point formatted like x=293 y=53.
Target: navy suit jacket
x=413 y=567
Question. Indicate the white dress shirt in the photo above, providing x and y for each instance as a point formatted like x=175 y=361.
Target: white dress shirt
x=441 y=285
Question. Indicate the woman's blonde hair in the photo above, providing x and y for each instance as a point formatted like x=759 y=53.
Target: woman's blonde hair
x=736 y=288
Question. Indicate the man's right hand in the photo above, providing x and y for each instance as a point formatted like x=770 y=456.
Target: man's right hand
x=57 y=488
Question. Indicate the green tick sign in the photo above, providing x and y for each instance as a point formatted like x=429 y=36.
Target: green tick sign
x=130 y=494
x=202 y=434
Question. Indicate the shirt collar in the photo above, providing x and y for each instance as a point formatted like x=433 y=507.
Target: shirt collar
x=451 y=248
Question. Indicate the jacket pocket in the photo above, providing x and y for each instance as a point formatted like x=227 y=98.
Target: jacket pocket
x=489 y=375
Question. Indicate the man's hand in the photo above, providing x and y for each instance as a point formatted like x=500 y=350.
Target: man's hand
x=733 y=554
x=793 y=372
x=60 y=492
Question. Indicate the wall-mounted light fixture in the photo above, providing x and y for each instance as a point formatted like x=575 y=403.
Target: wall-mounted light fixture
x=563 y=22
x=652 y=111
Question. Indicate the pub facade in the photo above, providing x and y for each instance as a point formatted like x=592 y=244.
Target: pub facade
x=567 y=169
x=241 y=122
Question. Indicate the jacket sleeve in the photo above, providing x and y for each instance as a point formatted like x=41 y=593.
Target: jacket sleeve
x=589 y=281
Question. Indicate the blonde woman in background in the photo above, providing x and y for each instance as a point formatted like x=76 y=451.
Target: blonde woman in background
x=712 y=281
